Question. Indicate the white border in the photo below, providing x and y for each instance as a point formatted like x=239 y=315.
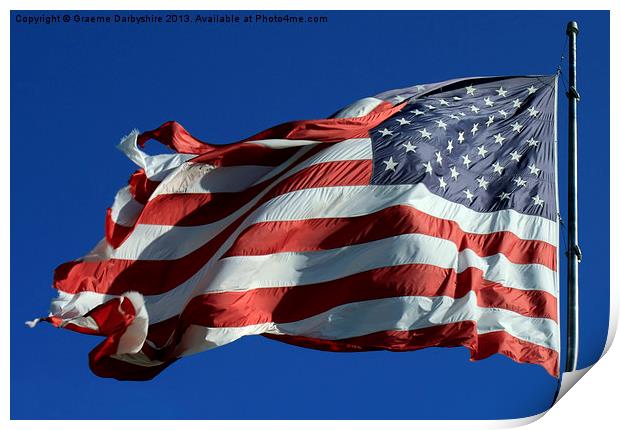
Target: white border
x=595 y=400
x=558 y=274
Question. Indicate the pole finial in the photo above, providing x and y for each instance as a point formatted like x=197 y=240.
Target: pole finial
x=572 y=27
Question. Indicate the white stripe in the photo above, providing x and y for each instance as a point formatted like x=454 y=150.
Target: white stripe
x=159 y=166
x=283 y=143
x=347 y=150
x=132 y=340
x=82 y=321
x=125 y=209
x=304 y=268
x=156 y=167
x=67 y=306
x=205 y=178
x=394 y=313
x=359 y=108
x=349 y=201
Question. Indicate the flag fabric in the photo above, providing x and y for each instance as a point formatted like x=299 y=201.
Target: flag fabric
x=420 y=217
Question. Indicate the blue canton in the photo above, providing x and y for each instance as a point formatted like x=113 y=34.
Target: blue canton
x=485 y=143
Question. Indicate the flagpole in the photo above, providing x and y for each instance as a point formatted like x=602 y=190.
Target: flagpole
x=573 y=252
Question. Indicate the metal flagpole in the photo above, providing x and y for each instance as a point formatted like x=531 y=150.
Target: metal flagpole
x=574 y=253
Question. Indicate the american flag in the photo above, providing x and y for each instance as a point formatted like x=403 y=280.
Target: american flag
x=420 y=217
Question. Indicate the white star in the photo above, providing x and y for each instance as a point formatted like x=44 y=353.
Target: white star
x=417 y=112
x=420 y=87
x=533 y=112
x=442 y=183
x=516 y=103
x=449 y=148
x=482 y=183
x=469 y=195
x=532 y=142
x=533 y=169
x=499 y=139
x=453 y=173
x=425 y=133
x=461 y=137
x=474 y=129
x=441 y=124
x=531 y=90
x=470 y=90
x=461 y=113
x=386 y=132
x=537 y=200
x=517 y=127
x=457 y=98
x=438 y=157
x=520 y=182
x=501 y=92
x=490 y=121
x=403 y=121
x=504 y=196
x=390 y=164
x=466 y=160
x=514 y=155
x=498 y=168
x=482 y=152
x=409 y=147
x=488 y=101
x=456 y=117
x=442 y=102
x=428 y=168
x=503 y=113
x=431 y=107
x=474 y=109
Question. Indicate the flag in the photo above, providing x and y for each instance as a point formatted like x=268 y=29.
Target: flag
x=420 y=217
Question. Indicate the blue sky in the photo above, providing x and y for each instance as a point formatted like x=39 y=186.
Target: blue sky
x=77 y=88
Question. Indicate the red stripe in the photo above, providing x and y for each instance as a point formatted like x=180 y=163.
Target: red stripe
x=288 y=304
x=141 y=189
x=115 y=234
x=176 y=137
x=330 y=233
x=519 y=350
x=205 y=208
x=141 y=186
x=173 y=135
x=160 y=333
x=450 y=335
x=109 y=367
x=242 y=154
